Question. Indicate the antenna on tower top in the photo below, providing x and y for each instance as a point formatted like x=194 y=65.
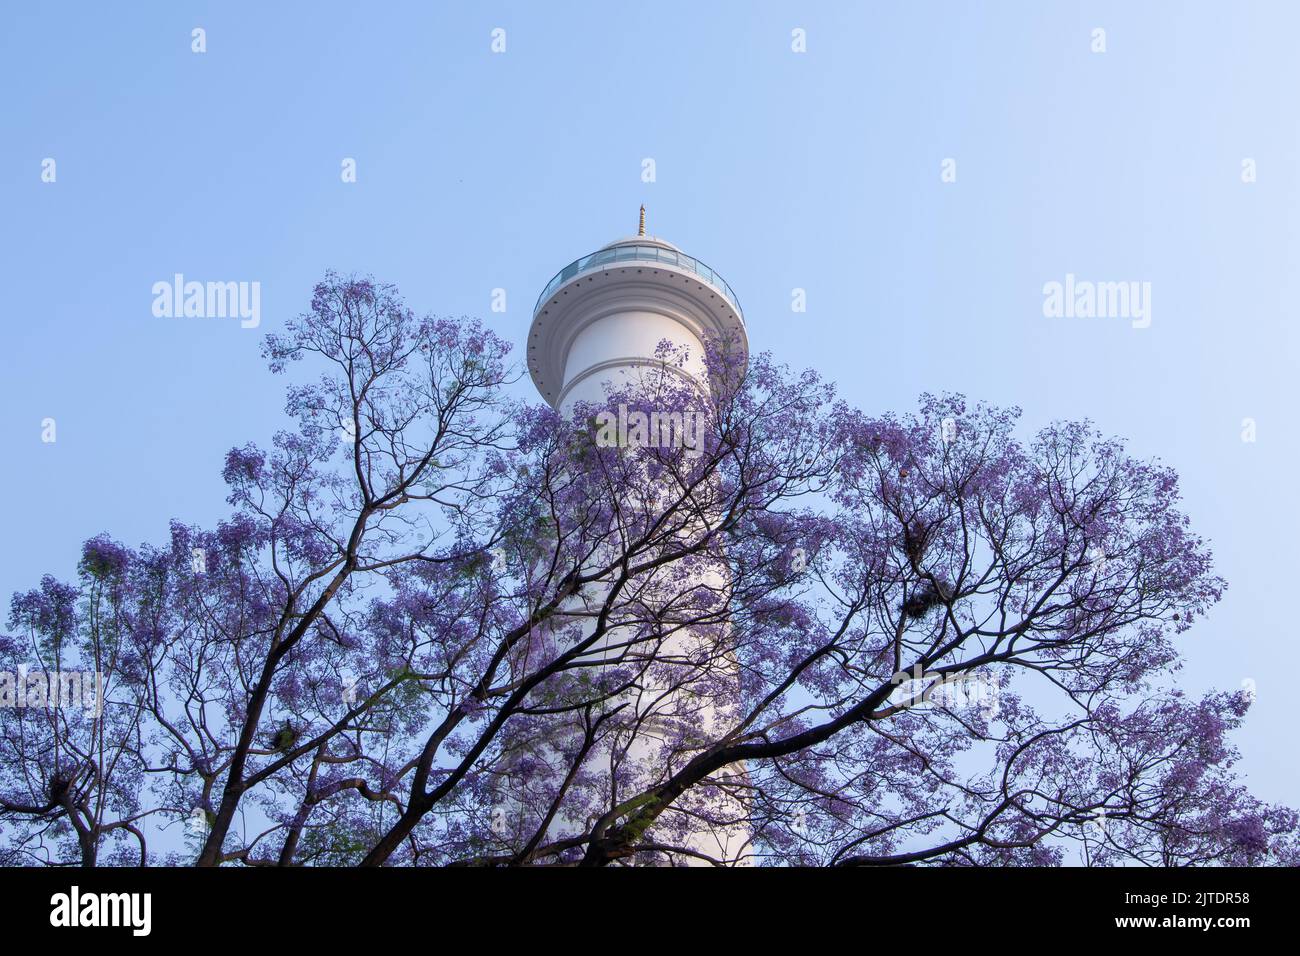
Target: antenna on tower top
x=641 y=229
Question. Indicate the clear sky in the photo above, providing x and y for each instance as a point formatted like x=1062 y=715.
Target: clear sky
x=819 y=170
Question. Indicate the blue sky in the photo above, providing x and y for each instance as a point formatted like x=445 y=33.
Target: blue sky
x=819 y=170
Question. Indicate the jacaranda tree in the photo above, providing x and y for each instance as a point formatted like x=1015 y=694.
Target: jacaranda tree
x=441 y=626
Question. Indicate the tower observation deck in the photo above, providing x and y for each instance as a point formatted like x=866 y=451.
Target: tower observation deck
x=605 y=313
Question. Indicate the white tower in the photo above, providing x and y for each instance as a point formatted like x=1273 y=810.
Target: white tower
x=603 y=315
x=599 y=322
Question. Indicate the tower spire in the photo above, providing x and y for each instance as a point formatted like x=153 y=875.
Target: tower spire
x=641 y=229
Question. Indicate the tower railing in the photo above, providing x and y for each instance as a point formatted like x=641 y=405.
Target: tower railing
x=640 y=253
